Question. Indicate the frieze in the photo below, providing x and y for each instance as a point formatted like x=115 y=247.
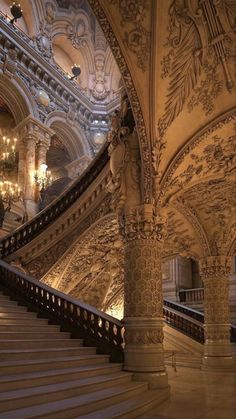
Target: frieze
x=42 y=264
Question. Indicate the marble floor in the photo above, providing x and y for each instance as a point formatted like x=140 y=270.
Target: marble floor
x=198 y=395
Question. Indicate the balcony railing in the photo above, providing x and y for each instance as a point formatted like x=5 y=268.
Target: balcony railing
x=184 y=319
x=188 y=321
x=27 y=232
x=191 y=295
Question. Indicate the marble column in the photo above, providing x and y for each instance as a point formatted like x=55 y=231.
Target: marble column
x=32 y=133
x=144 y=232
x=214 y=271
x=42 y=149
x=30 y=156
x=21 y=166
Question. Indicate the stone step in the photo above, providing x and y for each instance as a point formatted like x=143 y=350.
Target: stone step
x=22 y=315
x=79 y=405
x=45 y=335
x=57 y=391
x=21 y=354
x=14 y=309
x=30 y=320
x=23 y=366
x=12 y=327
x=40 y=343
x=32 y=379
x=131 y=408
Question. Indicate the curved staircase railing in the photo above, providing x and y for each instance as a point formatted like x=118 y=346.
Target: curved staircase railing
x=28 y=231
x=82 y=320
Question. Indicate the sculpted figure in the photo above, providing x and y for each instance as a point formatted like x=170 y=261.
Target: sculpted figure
x=124 y=164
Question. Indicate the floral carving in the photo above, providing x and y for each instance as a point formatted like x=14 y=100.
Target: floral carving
x=138 y=38
x=195 y=37
x=144 y=337
x=77 y=33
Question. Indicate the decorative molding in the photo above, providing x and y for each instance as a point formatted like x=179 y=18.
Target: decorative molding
x=136 y=39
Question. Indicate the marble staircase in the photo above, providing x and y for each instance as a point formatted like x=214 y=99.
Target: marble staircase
x=46 y=374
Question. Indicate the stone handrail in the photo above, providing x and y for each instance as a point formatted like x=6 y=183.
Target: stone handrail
x=28 y=231
x=184 y=319
x=82 y=320
x=191 y=295
x=188 y=320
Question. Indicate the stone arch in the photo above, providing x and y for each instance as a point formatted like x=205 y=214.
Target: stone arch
x=192 y=142
x=73 y=138
x=18 y=98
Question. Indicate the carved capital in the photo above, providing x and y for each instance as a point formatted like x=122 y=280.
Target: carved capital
x=215 y=266
x=144 y=222
x=31 y=128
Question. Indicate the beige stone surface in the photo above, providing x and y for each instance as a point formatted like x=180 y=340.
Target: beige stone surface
x=198 y=395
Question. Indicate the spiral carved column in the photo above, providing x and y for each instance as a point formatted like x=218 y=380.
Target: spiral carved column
x=214 y=271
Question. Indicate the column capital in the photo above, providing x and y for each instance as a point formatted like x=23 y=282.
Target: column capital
x=144 y=222
x=215 y=266
x=33 y=128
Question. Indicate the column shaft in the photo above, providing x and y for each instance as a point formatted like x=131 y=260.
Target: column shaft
x=215 y=272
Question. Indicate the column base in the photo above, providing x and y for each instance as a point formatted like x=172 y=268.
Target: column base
x=154 y=380
x=218 y=363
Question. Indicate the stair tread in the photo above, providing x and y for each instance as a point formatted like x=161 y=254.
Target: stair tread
x=73 y=402
x=42 y=340
x=56 y=360
x=55 y=335
x=49 y=373
x=30 y=350
x=127 y=406
x=52 y=388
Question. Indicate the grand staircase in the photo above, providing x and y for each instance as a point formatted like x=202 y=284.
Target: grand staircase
x=46 y=374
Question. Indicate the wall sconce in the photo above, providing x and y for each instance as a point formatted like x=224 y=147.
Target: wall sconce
x=76 y=70
x=16 y=12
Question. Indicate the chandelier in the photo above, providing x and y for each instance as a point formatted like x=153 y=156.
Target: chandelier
x=16 y=12
x=43 y=177
x=8 y=156
x=9 y=193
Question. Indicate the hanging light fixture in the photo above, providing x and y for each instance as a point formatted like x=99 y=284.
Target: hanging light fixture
x=16 y=12
x=9 y=193
x=8 y=154
x=76 y=70
x=43 y=177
